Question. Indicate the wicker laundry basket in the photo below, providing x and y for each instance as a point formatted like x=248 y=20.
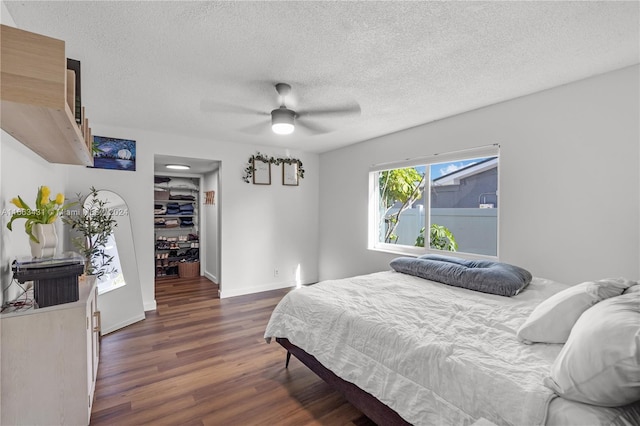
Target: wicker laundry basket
x=188 y=269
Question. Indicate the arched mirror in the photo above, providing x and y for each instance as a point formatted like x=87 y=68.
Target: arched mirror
x=119 y=292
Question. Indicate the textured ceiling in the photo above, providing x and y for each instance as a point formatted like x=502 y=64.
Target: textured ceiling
x=207 y=69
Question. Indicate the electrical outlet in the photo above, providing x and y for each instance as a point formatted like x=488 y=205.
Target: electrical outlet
x=276 y=273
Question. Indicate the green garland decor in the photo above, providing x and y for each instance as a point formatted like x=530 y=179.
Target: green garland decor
x=248 y=171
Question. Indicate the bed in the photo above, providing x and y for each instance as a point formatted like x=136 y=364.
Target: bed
x=407 y=350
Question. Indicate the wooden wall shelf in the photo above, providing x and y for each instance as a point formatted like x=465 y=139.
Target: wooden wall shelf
x=33 y=91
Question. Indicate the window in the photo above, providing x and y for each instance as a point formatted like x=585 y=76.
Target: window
x=460 y=210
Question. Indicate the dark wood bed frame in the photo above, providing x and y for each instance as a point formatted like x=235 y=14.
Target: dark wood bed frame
x=362 y=400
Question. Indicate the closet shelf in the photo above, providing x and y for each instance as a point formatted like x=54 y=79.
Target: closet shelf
x=173 y=259
x=181 y=247
x=173 y=228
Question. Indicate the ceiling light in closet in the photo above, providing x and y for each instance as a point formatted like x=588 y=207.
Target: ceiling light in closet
x=177 y=166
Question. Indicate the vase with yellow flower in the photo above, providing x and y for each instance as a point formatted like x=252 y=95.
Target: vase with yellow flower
x=40 y=221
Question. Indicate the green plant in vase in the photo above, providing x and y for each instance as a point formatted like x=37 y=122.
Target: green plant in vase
x=94 y=223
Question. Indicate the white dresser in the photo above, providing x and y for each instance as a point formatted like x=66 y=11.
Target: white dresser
x=49 y=362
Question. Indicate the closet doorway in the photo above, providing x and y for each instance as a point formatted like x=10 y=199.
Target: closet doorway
x=186 y=218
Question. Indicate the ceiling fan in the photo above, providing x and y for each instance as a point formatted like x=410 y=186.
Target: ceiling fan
x=285 y=120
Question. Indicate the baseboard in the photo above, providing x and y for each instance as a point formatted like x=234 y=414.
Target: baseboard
x=123 y=324
x=150 y=306
x=211 y=277
x=250 y=290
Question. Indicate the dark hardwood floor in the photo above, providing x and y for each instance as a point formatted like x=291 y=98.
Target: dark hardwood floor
x=199 y=360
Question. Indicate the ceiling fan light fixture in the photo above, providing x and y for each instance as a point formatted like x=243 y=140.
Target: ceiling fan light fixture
x=282 y=121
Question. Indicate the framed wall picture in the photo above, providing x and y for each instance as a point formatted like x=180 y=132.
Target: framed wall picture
x=114 y=153
x=210 y=197
x=261 y=172
x=290 y=174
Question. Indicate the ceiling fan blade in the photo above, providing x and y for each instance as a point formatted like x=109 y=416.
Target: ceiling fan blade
x=351 y=109
x=256 y=129
x=209 y=105
x=311 y=128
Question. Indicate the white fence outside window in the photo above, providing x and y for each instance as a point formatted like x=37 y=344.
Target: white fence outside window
x=475 y=229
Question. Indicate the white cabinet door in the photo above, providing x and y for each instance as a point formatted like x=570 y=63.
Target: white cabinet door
x=45 y=363
x=93 y=344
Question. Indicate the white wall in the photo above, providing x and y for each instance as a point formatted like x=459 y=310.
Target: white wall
x=210 y=238
x=261 y=227
x=569 y=181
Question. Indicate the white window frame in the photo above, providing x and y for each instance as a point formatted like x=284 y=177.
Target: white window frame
x=374 y=190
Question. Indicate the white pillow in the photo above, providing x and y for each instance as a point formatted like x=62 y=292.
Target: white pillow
x=633 y=289
x=182 y=183
x=600 y=363
x=551 y=321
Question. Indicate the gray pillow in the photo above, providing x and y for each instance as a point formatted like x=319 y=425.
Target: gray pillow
x=479 y=275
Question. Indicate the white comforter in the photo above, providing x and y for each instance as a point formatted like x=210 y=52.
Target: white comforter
x=436 y=354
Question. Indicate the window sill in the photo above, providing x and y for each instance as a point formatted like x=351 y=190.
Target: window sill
x=411 y=252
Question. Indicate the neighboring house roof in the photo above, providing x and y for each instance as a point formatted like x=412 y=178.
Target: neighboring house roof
x=454 y=178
